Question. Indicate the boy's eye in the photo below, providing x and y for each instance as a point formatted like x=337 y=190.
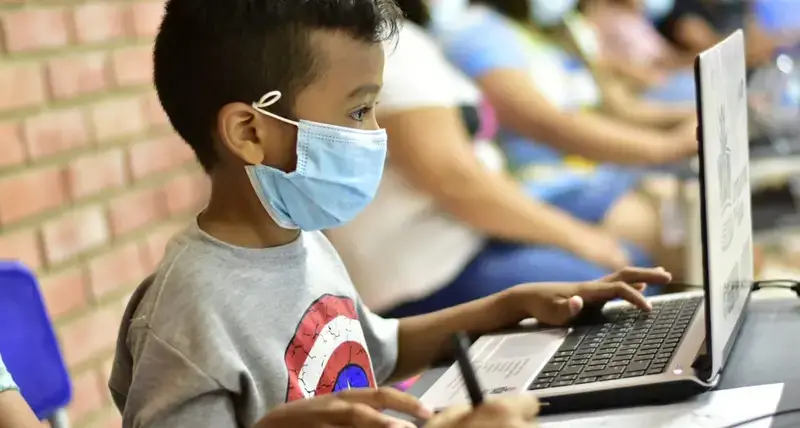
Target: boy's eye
x=360 y=114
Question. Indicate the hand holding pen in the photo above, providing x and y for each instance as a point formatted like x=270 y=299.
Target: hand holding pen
x=517 y=411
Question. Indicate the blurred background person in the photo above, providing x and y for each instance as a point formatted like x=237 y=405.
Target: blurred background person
x=450 y=224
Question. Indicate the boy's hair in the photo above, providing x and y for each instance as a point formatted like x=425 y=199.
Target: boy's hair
x=209 y=53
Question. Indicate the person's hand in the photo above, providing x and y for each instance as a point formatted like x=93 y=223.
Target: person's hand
x=598 y=246
x=355 y=408
x=558 y=303
x=517 y=411
x=683 y=142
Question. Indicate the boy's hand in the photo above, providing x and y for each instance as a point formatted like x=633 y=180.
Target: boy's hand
x=558 y=303
x=512 y=412
x=355 y=408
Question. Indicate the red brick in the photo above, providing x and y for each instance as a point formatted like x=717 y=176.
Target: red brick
x=147 y=17
x=31 y=192
x=156 y=243
x=94 y=173
x=73 y=233
x=65 y=292
x=153 y=113
x=55 y=132
x=117 y=118
x=101 y=22
x=22 y=246
x=116 y=269
x=133 y=66
x=134 y=210
x=91 y=334
x=89 y=395
x=77 y=75
x=13 y=152
x=153 y=156
x=33 y=29
x=21 y=85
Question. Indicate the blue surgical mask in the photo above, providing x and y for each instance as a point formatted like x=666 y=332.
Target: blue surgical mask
x=548 y=13
x=658 y=9
x=337 y=175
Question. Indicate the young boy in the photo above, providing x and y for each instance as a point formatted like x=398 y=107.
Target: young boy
x=251 y=306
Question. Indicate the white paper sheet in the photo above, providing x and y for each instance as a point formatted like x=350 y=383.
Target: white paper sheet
x=712 y=410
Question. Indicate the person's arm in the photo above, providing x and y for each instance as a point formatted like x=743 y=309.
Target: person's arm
x=619 y=101
x=521 y=107
x=14 y=411
x=694 y=33
x=424 y=339
x=440 y=161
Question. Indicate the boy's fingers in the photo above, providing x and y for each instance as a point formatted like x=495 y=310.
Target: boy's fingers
x=600 y=292
x=387 y=399
x=524 y=406
x=359 y=415
x=450 y=417
x=634 y=275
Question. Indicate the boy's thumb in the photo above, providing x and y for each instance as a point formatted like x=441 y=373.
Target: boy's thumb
x=575 y=304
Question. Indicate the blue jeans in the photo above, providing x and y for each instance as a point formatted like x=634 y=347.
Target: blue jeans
x=502 y=265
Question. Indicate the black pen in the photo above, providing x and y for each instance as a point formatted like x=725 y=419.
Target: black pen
x=461 y=343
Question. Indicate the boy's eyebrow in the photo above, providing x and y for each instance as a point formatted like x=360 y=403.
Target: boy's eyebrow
x=364 y=90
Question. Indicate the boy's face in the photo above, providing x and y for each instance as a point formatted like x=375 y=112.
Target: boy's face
x=349 y=76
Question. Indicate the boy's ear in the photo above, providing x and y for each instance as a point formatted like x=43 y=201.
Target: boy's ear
x=241 y=131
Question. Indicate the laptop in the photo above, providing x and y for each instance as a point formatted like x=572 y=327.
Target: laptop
x=620 y=355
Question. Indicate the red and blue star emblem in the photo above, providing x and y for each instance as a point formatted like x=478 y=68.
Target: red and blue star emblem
x=328 y=352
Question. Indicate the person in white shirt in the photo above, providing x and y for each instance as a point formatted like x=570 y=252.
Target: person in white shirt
x=449 y=224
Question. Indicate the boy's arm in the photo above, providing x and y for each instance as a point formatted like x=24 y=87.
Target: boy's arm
x=425 y=339
x=167 y=390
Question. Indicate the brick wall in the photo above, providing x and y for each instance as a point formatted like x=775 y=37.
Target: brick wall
x=92 y=180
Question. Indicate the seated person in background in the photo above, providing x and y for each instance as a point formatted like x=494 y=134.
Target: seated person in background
x=449 y=224
x=627 y=44
x=696 y=25
x=251 y=306
x=542 y=93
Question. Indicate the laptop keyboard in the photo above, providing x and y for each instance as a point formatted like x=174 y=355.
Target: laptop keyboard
x=632 y=343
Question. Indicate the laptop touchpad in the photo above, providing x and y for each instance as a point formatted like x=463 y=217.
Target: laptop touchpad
x=505 y=364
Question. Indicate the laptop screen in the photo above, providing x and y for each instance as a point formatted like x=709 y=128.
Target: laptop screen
x=724 y=153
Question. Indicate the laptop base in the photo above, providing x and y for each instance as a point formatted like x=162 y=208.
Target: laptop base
x=641 y=395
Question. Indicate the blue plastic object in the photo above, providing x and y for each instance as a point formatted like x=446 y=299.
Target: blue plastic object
x=28 y=343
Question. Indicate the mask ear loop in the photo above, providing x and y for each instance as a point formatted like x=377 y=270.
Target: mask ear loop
x=269 y=99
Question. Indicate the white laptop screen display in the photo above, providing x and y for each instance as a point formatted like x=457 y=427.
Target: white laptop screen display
x=727 y=188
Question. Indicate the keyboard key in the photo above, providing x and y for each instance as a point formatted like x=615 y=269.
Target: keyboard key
x=636 y=366
x=561 y=383
x=570 y=370
x=608 y=371
x=552 y=367
x=633 y=374
x=540 y=385
x=586 y=380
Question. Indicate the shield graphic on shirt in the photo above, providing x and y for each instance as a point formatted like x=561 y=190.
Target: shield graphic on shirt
x=328 y=352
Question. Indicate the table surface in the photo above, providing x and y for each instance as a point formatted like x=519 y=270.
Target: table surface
x=764 y=353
